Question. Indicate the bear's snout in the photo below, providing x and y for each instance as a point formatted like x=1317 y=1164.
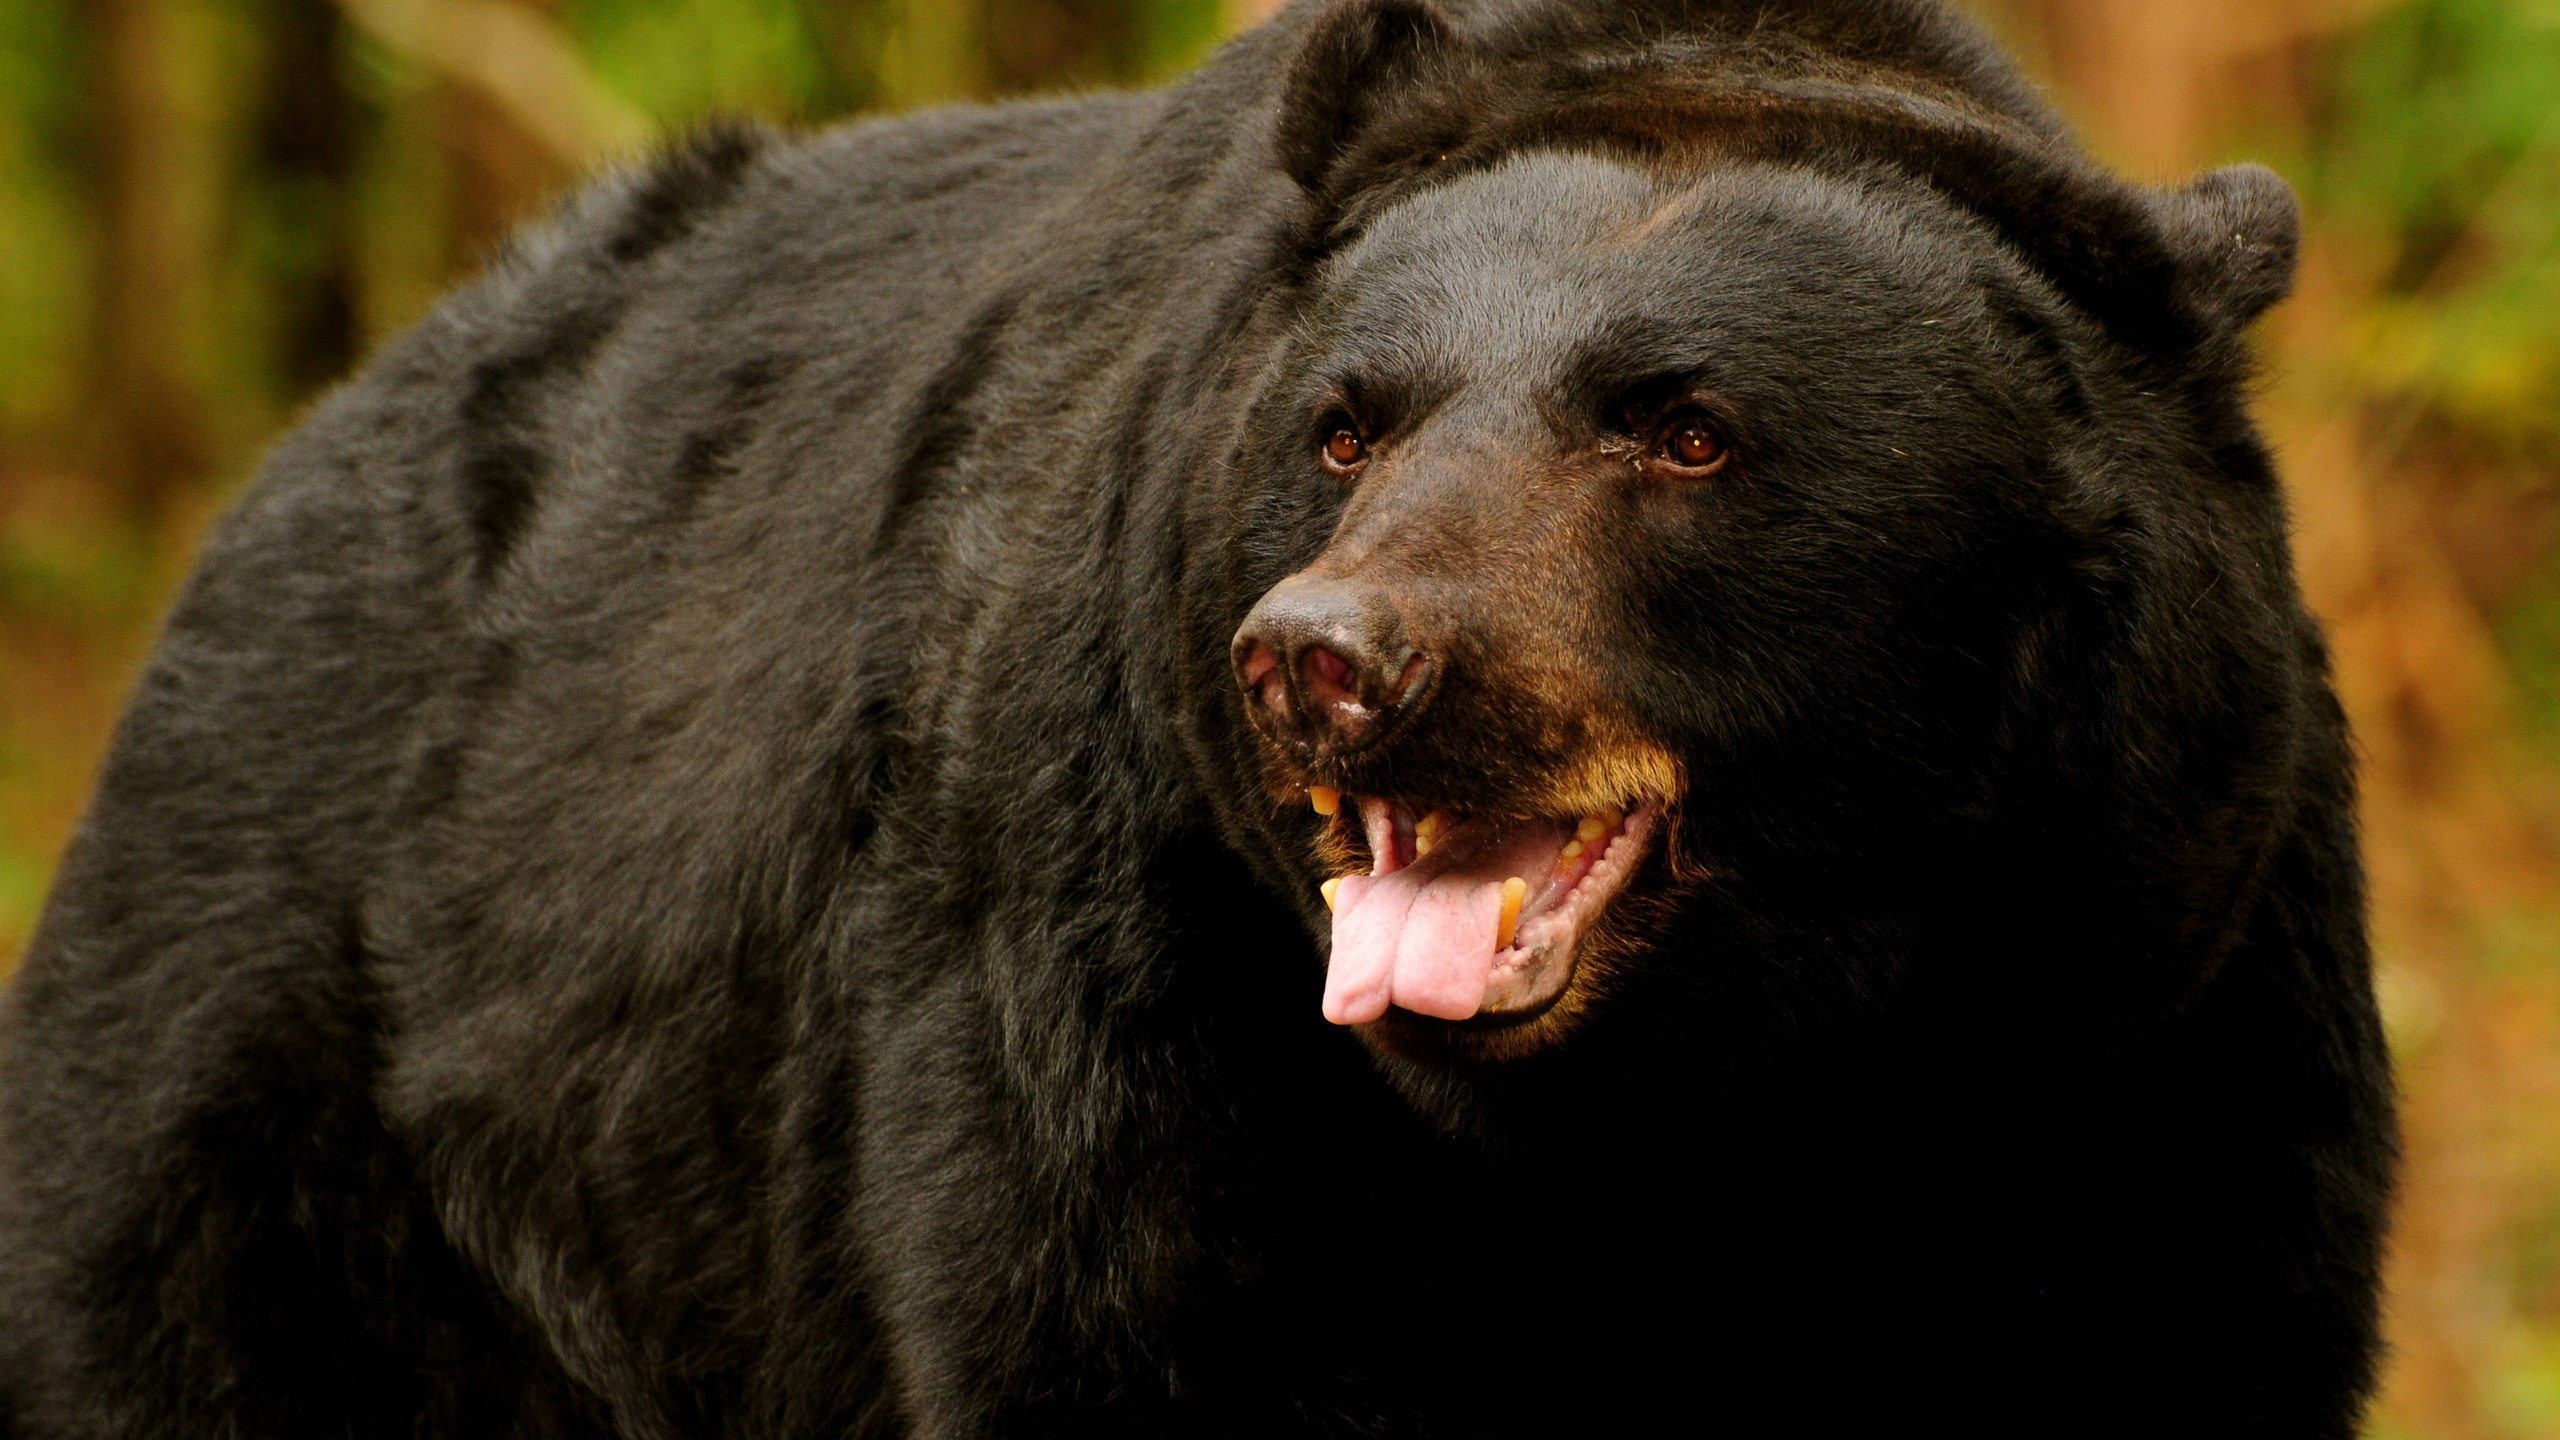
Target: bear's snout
x=1326 y=667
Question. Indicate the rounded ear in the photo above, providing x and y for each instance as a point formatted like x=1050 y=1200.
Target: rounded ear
x=2236 y=232
x=1355 y=49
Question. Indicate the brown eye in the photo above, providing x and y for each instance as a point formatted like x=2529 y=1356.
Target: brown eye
x=1693 y=444
x=1344 y=450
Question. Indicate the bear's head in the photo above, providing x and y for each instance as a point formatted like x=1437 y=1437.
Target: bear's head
x=1726 y=503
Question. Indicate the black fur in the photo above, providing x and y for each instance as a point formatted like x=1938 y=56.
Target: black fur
x=690 y=860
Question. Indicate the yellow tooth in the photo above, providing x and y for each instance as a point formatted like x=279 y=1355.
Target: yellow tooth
x=1514 y=891
x=1573 y=849
x=1591 y=828
x=1329 y=887
x=1325 y=798
x=1426 y=833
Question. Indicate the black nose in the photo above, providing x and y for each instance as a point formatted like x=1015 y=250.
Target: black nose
x=1325 y=666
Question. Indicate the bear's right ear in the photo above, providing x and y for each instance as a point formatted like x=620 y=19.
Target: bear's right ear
x=1355 y=51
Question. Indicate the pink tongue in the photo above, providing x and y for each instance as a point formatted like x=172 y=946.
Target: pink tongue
x=1419 y=938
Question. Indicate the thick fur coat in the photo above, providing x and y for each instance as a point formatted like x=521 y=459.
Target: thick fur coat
x=710 y=850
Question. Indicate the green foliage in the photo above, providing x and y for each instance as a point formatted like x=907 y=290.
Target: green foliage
x=22 y=884
x=2437 y=157
x=43 y=235
x=679 y=61
x=1178 y=33
x=2439 y=149
x=2529 y=632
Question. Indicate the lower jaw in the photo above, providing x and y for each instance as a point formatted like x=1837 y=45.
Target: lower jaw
x=1486 y=1039
x=1527 y=984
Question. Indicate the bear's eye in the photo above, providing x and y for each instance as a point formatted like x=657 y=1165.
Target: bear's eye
x=1692 y=443
x=1344 y=450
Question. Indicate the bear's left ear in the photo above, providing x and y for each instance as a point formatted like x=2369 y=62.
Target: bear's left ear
x=1354 y=56
x=2236 y=232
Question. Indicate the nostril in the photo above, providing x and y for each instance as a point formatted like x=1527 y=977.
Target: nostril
x=1411 y=677
x=1259 y=670
x=1258 y=662
x=1327 y=676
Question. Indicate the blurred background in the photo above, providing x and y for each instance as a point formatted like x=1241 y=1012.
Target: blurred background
x=211 y=209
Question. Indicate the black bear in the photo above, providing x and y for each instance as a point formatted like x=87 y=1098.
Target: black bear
x=1515 y=717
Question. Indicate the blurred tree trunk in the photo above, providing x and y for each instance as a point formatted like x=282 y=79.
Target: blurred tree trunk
x=1049 y=44
x=146 y=437
x=502 y=173
x=2136 y=70
x=307 y=141
x=932 y=52
x=501 y=176
x=516 y=111
x=2156 y=83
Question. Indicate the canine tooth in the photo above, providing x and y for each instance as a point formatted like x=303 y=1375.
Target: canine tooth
x=1329 y=887
x=1591 y=828
x=1325 y=798
x=1514 y=891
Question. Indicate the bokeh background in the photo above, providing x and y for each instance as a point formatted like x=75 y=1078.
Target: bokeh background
x=211 y=209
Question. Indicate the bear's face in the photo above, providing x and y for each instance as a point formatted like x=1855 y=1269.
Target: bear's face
x=1614 y=530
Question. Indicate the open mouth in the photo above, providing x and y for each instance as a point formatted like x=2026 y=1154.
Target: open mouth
x=1468 y=916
